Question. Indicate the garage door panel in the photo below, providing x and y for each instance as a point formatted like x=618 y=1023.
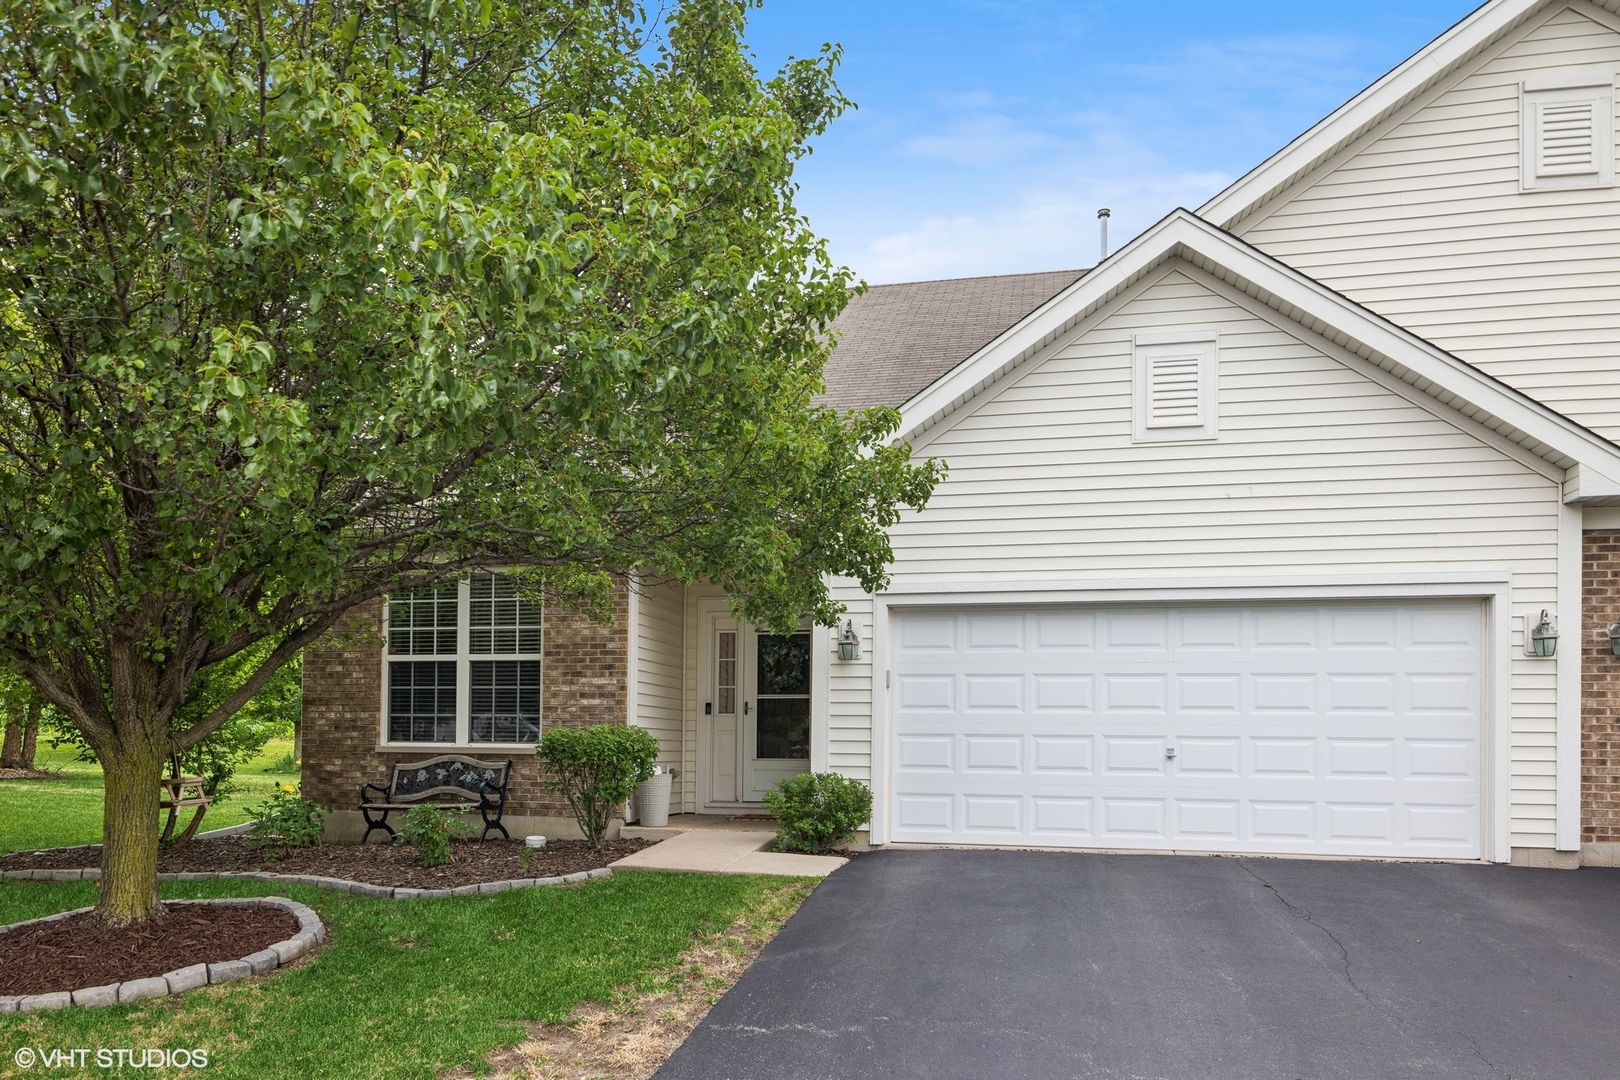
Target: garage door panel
x=1062 y=753
x=1319 y=729
x=1061 y=815
x=1134 y=819
x=1208 y=819
x=1062 y=693
x=993 y=753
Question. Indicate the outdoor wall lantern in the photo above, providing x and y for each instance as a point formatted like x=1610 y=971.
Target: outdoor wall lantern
x=1614 y=639
x=849 y=642
x=1543 y=638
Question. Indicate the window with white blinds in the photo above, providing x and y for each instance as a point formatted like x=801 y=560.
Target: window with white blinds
x=1568 y=131
x=463 y=664
x=1176 y=396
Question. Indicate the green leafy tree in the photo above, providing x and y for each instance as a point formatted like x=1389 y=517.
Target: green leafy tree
x=272 y=713
x=315 y=300
x=21 y=709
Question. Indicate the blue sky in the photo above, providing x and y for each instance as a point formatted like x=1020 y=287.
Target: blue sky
x=990 y=131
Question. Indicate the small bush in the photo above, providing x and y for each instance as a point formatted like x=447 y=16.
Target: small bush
x=429 y=828
x=285 y=820
x=815 y=812
x=596 y=769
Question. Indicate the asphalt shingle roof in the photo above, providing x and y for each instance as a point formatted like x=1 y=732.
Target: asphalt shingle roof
x=896 y=340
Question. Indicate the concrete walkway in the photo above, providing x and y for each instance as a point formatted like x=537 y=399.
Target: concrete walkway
x=715 y=849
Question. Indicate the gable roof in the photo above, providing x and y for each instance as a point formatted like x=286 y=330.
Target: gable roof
x=894 y=340
x=1511 y=420
x=1430 y=66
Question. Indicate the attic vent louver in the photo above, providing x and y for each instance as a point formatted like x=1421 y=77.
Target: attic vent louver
x=1565 y=145
x=1174 y=391
x=1568 y=131
x=1175 y=386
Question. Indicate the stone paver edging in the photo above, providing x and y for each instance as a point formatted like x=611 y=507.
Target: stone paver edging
x=311 y=932
x=359 y=888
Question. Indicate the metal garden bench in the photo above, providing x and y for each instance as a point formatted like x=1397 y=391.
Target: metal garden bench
x=451 y=778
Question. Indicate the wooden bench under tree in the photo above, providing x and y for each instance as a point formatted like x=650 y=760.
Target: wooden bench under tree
x=449 y=779
x=177 y=793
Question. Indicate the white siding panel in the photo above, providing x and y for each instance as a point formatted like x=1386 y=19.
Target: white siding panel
x=1426 y=224
x=660 y=675
x=1317 y=470
x=850 y=686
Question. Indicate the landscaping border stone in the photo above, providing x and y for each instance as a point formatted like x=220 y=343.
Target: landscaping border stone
x=359 y=888
x=311 y=932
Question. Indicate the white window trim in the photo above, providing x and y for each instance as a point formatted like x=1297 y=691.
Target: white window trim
x=1205 y=345
x=1596 y=88
x=463 y=660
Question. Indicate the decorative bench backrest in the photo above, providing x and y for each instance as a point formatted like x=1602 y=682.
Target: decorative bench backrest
x=449 y=775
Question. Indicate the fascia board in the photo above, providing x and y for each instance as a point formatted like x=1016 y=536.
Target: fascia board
x=1367 y=108
x=1583 y=484
x=1182 y=235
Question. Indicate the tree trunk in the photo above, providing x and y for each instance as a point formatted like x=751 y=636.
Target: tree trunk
x=129 y=845
x=30 y=739
x=11 y=749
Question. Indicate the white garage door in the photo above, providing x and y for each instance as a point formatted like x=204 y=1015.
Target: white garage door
x=1329 y=729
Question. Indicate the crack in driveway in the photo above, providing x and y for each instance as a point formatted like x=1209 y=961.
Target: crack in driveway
x=1396 y=1019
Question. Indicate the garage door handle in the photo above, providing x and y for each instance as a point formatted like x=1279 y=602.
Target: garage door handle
x=1170 y=753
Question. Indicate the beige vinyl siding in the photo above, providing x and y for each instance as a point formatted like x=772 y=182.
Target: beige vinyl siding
x=1425 y=223
x=660 y=672
x=1317 y=471
x=849 y=690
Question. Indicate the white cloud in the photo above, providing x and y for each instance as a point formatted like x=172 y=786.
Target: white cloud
x=984 y=183
x=1037 y=229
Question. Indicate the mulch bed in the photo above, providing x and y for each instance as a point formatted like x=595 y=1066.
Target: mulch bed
x=375 y=864
x=75 y=953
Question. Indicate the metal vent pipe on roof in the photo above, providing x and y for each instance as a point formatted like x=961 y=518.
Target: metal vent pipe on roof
x=1102 y=219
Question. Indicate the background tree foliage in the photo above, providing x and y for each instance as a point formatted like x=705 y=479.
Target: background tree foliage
x=312 y=300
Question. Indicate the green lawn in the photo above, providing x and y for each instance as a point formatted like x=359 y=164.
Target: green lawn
x=405 y=988
x=55 y=813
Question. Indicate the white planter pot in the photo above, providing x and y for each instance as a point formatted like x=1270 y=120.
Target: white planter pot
x=652 y=801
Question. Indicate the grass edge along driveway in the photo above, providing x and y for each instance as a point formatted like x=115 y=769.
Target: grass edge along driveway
x=401 y=988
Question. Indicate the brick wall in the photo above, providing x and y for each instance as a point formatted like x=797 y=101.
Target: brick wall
x=1600 y=689
x=583 y=682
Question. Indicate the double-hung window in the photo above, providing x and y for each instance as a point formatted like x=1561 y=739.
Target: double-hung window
x=464 y=664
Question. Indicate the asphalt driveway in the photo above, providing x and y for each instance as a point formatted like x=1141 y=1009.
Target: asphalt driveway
x=1022 y=964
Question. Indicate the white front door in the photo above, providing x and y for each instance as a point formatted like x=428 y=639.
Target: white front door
x=1330 y=729
x=757 y=709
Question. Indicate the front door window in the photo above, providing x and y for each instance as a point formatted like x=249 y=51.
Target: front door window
x=783 y=666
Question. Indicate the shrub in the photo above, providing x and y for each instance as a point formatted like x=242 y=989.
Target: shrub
x=817 y=811
x=596 y=769
x=430 y=828
x=285 y=820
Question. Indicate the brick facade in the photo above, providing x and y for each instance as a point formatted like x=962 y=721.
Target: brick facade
x=583 y=675
x=1600 y=689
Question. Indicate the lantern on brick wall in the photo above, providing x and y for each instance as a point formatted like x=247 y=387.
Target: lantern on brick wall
x=1614 y=639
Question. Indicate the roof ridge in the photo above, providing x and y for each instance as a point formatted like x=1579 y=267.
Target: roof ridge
x=980 y=277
